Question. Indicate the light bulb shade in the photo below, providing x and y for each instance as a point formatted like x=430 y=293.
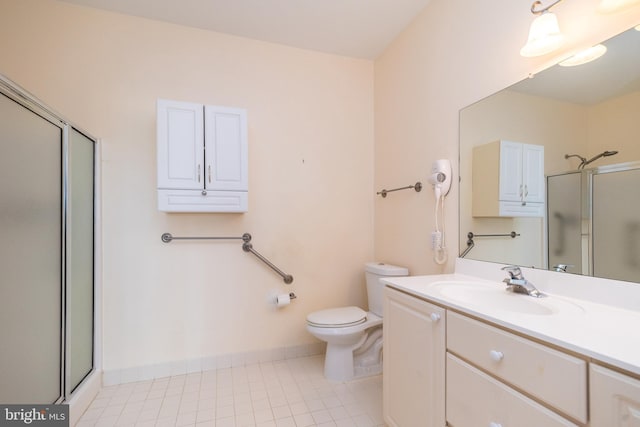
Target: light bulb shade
x=544 y=36
x=613 y=6
x=584 y=56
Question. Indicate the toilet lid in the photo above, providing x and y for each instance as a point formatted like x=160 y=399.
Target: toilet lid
x=337 y=317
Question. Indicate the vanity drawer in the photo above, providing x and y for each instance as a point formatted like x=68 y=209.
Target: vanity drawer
x=475 y=399
x=556 y=378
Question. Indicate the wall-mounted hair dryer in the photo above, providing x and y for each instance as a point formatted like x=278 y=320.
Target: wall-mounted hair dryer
x=440 y=178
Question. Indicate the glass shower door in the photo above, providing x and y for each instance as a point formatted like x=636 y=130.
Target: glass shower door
x=564 y=221
x=80 y=251
x=616 y=225
x=30 y=256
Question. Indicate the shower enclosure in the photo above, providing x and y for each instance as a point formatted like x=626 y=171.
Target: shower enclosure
x=46 y=252
x=593 y=221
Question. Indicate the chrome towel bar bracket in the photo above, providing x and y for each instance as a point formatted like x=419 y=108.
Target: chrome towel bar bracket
x=513 y=235
x=167 y=237
x=417 y=186
x=246 y=246
x=471 y=243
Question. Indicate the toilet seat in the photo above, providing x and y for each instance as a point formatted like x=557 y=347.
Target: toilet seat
x=341 y=317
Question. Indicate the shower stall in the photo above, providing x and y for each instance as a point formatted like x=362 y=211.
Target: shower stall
x=47 y=217
x=593 y=221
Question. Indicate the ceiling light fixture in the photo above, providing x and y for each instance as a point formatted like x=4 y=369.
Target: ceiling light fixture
x=584 y=56
x=544 y=34
x=613 y=6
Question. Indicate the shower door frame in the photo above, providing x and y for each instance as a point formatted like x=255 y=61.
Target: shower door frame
x=22 y=97
x=586 y=189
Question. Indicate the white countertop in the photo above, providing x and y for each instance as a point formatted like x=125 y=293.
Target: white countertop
x=602 y=332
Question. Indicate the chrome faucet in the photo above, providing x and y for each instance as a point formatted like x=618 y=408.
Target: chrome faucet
x=518 y=284
x=562 y=268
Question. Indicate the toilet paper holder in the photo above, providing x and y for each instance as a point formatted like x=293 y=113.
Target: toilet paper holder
x=284 y=300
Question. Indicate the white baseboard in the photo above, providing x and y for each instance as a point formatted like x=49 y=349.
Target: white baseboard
x=181 y=367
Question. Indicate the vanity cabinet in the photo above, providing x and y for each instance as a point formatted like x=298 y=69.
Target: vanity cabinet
x=414 y=361
x=477 y=399
x=503 y=369
x=615 y=398
x=508 y=180
x=202 y=157
x=508 y=371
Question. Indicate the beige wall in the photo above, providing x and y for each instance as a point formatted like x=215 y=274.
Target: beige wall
x=614 y=125
x=311 y=176
x=455 y=53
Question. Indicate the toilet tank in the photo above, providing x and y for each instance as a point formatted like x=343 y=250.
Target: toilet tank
x=374 y=271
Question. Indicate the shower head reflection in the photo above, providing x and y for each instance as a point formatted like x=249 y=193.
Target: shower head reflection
x=583 y=160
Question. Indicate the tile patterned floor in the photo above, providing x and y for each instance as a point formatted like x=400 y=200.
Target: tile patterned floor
x=288 y=393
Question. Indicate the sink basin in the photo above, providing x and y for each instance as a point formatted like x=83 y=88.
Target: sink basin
x=494 y=297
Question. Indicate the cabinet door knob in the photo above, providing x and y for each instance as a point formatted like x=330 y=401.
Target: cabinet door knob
x=492 y=424
x=496 y=355
x=435 y=317
x=204 y=192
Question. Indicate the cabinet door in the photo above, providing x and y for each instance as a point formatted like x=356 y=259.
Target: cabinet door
x=180 y=145
x=511 y=186
x=226 y=148
x=414 y=362
x=615 y=399
x=533 y=172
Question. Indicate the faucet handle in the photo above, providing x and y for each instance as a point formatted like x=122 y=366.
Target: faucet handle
x=513 y=271
x=562 y=268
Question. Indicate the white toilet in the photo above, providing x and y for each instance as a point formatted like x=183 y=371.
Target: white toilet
x=354 y=336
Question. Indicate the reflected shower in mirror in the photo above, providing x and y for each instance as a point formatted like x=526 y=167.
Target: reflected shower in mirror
x=583 y=160
x=584 y=119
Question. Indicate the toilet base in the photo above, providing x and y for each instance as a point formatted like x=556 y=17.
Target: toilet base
x=349 y=362
x=367 y=371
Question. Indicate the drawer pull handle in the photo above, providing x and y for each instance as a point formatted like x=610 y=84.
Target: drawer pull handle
x=435 y=317
x=492 y=424
x=496 y=356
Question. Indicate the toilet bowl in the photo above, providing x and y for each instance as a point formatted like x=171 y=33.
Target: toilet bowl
x=354 y=336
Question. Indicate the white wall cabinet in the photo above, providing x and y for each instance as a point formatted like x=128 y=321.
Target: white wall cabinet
x=615 y=399
x=508 y=180
x=202 y=158
x=414 y=362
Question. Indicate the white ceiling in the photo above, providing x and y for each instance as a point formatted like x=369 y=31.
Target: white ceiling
x=355 y=28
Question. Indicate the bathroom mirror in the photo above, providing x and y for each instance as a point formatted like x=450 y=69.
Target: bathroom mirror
x=582 y=111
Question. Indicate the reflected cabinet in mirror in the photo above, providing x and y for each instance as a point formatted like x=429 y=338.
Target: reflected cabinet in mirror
x=550 y=169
